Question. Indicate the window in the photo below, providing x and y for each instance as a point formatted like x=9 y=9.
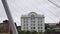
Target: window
x=39 y=30
x=38 y=21
x=39 y=24
x=32 y=21
x=41 y=27
x=41 y=21
x=32 y=16
x=32 y=24
x=25 y=27
x=25 y=24
x=24 y=21
x=38 y=27
x=32 y=27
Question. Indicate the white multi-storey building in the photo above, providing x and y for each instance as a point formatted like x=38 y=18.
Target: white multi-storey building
x=33 y=22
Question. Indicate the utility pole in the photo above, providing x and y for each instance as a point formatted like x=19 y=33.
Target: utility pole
x=13 y=27
x=54 y=3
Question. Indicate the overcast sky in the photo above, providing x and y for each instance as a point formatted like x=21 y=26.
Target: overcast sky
x=19 y=7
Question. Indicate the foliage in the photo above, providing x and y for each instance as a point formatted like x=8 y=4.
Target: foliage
x=33 y=32
x=46 y=26
x=27 y=32
x=48 y=31
x=21 y=32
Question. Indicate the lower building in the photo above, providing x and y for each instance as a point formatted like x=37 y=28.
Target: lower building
x=55 y=26
x=5 y=27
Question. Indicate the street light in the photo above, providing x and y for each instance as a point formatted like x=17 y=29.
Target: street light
x=13 y=27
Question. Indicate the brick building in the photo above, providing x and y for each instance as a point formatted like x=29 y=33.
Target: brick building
x=55 y=26
x=5 y=27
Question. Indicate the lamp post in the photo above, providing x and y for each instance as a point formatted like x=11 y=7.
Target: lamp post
x=13 y=27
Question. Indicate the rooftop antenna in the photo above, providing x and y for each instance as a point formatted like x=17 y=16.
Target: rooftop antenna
x=13 y=27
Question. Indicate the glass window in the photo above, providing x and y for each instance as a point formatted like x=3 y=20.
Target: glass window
x=24 y=24
x=33 y=27
x=24 y=27
x=24 y=21
x=32 y=16
x=41 y=21
x=27 y=27
x=32 y=21
x=41 y=27
x=32 y=24
x=39 y=30
x=39 y=24
x=38 y=27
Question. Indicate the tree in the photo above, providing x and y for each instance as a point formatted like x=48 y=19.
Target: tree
x=27 y=32
x=48 y=31
x=21 y=32
x=46 y=26
x=34 y=32
x=39 y=32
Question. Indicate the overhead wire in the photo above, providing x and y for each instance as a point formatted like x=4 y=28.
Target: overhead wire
x=21 y=8
x=54 y=3
x=42 y=12
x=34 y=6
x=50 y=11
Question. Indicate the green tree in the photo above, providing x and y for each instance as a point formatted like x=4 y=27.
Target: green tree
x=34 y=32
x=48 y=31
x=27 y=32
x=46 y=26
x=39 y=32
x=21 y=32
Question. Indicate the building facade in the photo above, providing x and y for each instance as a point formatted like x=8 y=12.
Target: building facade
x=5 y=27
x=33 y=22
